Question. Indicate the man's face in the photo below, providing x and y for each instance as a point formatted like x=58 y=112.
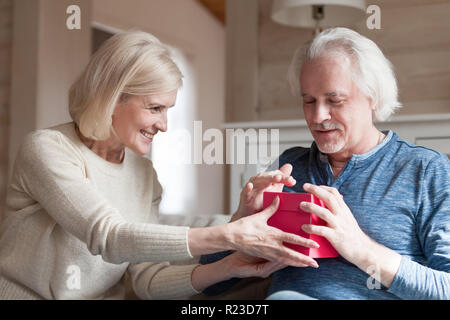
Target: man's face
x=337 y=113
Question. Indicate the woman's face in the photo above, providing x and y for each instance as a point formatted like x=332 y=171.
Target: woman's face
x=137 y=119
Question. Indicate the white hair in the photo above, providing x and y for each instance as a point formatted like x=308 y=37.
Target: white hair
x=372 y=72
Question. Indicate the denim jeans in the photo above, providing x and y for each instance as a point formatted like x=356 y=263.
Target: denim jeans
x=288 y=295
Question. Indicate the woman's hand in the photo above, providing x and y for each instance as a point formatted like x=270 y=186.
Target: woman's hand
x=235 y=265
x=252 y=235
x=241 y=265
x=251 y=199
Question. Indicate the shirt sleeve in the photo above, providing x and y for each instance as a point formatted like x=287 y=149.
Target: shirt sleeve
x=53 y=175
x=430 y=281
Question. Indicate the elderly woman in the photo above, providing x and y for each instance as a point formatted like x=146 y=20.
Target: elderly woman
x=82 y=206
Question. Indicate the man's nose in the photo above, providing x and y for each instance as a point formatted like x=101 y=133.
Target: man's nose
x=321 y=112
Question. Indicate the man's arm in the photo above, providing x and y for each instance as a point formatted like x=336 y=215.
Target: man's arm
x=414 y=280
x=404 y=278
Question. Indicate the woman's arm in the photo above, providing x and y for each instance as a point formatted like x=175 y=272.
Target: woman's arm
x=52 y=173
x=165 y=281
x=248 y=230
x=253 y=236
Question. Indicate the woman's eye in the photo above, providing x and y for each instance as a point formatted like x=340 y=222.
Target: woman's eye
x=308 y=102
x=336 y=101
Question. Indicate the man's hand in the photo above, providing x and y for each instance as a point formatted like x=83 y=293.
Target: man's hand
x=251 y=200
x=346 y=236
x=342 y=230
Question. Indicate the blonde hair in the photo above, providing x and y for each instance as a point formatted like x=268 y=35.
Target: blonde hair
x=371 y=71
x=128 y=63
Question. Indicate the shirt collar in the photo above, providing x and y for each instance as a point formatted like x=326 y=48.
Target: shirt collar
x=359 y=157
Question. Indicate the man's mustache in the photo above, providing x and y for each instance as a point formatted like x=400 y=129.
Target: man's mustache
x=327 y=125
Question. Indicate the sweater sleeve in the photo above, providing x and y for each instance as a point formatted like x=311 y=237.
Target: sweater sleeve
x=152 y=281
x=430 y=281
x=52 y=174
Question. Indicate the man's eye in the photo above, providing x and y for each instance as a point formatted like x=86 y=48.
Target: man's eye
x=308 y=102
x=155 y=109
x=336 y=101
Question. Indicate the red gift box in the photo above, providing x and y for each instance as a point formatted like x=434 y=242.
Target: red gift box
x=290 y=218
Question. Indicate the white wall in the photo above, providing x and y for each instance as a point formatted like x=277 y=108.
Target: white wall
x=187 y=26
x=46 y=59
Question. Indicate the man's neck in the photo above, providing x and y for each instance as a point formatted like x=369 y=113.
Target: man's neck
x=338 y=160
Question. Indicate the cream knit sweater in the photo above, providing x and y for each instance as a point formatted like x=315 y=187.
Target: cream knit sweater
x=75 y=224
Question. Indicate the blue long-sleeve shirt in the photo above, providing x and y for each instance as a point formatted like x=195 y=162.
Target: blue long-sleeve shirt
x=399 y=194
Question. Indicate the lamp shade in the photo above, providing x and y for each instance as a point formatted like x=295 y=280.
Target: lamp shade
x=299 y=13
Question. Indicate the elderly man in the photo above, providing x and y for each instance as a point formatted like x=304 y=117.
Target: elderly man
x=388 y=200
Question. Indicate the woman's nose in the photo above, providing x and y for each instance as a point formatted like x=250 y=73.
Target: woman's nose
x=161 y=124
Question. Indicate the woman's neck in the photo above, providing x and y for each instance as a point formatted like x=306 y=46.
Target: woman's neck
x=111 y=150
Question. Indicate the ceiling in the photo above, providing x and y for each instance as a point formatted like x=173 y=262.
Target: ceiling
x=216 y=7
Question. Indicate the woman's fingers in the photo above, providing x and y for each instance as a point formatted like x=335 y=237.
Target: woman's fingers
x=270 y=210
x=270 y=267
x=247 y=191
x=286 y=169
x=293 y=258
x=269 y=178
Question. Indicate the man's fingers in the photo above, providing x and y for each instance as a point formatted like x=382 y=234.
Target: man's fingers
x=318 y=230
x=319 y=211
x=333 y=191
x=327 y=197
x=298 y=240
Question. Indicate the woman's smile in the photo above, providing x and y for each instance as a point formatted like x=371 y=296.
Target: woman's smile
x=147 y=135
